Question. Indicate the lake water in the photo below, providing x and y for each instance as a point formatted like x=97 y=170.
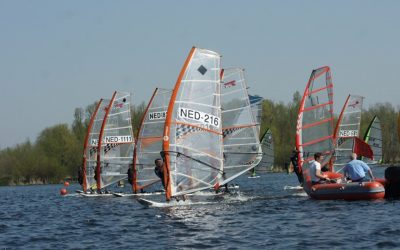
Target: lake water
x=263 y=216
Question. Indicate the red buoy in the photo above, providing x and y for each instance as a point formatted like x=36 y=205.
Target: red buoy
x=63 y=191
x=66 y=183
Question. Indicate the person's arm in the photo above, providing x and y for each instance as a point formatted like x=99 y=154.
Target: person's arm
x=345 y=172
x=320 y=175
x=368 y=169
x=370 y=174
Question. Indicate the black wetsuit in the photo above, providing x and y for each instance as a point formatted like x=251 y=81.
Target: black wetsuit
x=80 y=177
x=130 y=175
x=294 y=159
x=159 y=171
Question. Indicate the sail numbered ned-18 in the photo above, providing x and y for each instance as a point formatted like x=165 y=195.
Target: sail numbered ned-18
x=149 y=141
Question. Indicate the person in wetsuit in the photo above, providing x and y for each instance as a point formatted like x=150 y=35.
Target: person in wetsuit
x=80 y=176
x=294 y=159
x=130 y=174
x=159 y=170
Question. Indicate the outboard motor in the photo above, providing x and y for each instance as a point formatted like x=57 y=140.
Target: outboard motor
x=392 y=185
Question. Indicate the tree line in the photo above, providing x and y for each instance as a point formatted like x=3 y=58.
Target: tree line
x=57 y=152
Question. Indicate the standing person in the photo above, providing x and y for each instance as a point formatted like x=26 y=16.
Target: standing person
x=294 y=160
x=355 y=170
x=130 y=174
x=315 y=170
x=80 y=175
x=159 y=170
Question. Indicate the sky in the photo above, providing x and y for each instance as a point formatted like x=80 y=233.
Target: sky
x=56 y=56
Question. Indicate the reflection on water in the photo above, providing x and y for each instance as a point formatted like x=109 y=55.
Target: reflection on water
x=263 y=215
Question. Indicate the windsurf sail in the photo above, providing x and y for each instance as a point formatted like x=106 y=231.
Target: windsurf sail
x=347 y=127
x=90 y=146
x=373 y=136
x=361 y=148
x=149 y=140
x=192 y=142
x=256 y=107
x=242 y=149
x=116 y=141
x=267 y=145
x=314 y=132
x=398 y=126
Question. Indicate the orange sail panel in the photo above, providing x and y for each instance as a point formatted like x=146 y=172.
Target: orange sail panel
x=192 y=142
x=361 y=148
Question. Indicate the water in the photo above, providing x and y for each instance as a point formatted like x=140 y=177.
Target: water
x=264 y=216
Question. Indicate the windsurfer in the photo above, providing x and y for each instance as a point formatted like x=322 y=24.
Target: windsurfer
x=315 y=170
x=355 y=170
x=159 y=170
x=130 y=174
x=294 y=160
x=80 y=176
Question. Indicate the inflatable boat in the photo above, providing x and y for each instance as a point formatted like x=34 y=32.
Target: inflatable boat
x=368 y=190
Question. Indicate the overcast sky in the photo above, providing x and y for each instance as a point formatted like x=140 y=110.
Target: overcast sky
x=59 y=55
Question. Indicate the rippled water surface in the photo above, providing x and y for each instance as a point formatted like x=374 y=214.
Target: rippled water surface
x=263 y=215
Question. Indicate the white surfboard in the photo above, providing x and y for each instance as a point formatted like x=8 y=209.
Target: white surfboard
x=95 y=195
x=138 y=194
x=173 y=203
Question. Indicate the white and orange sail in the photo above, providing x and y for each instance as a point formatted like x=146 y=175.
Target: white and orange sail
x=116 y=141
x=347 y=128
x=91 y=145
x=149 y=140
x=314 y=132
x=192 y=141
x=373 y=136
x=242 y=149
